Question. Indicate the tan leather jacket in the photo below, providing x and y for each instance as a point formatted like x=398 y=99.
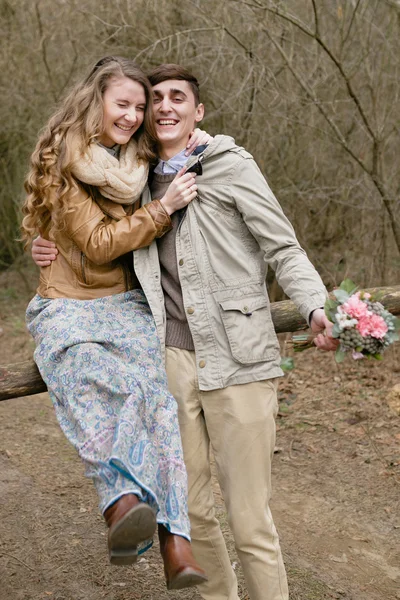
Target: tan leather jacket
x=98 y=233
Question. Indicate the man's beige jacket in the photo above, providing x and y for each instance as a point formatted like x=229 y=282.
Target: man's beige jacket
x=225 y=241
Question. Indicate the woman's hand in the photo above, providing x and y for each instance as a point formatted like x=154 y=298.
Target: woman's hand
x=43 y=252
x=197 y=138
x=181 y=191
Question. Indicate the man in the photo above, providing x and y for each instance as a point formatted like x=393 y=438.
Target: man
x=205 y=283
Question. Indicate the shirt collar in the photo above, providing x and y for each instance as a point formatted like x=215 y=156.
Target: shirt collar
x=175 y=164
x=172 y=165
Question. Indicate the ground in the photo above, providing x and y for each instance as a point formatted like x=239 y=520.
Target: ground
x=336 y=477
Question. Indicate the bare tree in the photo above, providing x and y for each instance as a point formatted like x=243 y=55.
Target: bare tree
x=310 y=87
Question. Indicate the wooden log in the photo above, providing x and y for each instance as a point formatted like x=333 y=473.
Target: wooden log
x=23 y=379
x=286 y=318
x=20 y=379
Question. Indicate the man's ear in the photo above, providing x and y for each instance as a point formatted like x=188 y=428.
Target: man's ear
x=199 y=112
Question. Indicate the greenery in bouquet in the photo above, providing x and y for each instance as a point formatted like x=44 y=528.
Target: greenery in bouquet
x=360 y=322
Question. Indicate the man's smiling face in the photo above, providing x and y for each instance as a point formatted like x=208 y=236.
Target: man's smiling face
x=176 y=114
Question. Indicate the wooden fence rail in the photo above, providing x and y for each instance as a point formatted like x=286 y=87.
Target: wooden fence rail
x=23 y=378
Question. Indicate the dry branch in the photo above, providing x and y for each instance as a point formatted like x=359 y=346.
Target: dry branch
x=374 y=170
x=23 y=379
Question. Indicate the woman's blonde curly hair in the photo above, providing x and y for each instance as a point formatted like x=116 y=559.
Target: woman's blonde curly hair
x=77 y=122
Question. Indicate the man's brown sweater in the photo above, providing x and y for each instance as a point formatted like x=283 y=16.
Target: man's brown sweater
x=178 y=332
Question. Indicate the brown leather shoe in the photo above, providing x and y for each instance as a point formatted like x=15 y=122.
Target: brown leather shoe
x=130 y=522
x=180 y=567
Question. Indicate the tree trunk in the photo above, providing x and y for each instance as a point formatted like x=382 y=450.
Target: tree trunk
x=23 y=379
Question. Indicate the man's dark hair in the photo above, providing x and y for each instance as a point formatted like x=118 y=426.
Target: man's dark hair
x=172 y=71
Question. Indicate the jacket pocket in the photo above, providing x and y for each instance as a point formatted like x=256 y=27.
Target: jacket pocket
x=249 y=329
x=78 y=262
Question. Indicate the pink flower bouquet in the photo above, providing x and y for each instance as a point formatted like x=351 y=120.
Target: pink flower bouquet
x=361 y=323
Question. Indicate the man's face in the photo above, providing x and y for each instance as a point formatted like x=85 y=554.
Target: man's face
x=175 y=112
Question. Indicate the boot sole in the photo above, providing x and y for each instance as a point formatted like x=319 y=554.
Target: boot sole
x=137 y=525
x=186 y=578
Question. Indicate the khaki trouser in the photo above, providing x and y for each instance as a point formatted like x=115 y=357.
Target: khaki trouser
x=239 y=422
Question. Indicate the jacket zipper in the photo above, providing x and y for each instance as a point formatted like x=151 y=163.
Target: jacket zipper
x=126 y=277
x=125 y=271
x=83 y=268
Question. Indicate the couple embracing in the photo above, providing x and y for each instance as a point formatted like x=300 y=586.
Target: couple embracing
x=152 y=322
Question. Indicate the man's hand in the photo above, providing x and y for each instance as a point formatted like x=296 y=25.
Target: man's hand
x=197 y=138
x=43 y=252
x=321 y=325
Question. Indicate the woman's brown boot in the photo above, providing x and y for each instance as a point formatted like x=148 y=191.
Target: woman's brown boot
x=130 y=522
x=180 y=567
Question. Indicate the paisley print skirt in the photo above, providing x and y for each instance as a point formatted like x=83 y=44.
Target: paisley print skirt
x=102 y=365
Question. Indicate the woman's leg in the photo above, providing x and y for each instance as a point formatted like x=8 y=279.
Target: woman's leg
x=101 y=361
x=102 y=365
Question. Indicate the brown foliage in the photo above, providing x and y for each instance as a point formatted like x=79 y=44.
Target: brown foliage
x=311 y=88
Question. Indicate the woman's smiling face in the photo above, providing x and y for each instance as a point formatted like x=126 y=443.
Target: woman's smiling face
x=124 y=103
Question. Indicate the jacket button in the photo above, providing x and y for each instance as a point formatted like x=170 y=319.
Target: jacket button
x=181 y=262
x=202 y=364
x=245 y=309
x=190 y=310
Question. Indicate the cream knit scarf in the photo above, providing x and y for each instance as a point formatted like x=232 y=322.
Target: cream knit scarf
x=121 y=180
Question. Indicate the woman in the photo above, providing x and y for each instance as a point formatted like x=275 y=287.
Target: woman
x=96 y=343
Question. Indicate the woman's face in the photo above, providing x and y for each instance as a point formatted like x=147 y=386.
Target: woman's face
x=124 y=105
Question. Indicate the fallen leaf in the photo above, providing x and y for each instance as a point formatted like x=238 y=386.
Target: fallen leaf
x=339 y=559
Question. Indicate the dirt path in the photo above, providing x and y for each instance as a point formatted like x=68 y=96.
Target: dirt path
x=336 y=489
x=337 y=478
